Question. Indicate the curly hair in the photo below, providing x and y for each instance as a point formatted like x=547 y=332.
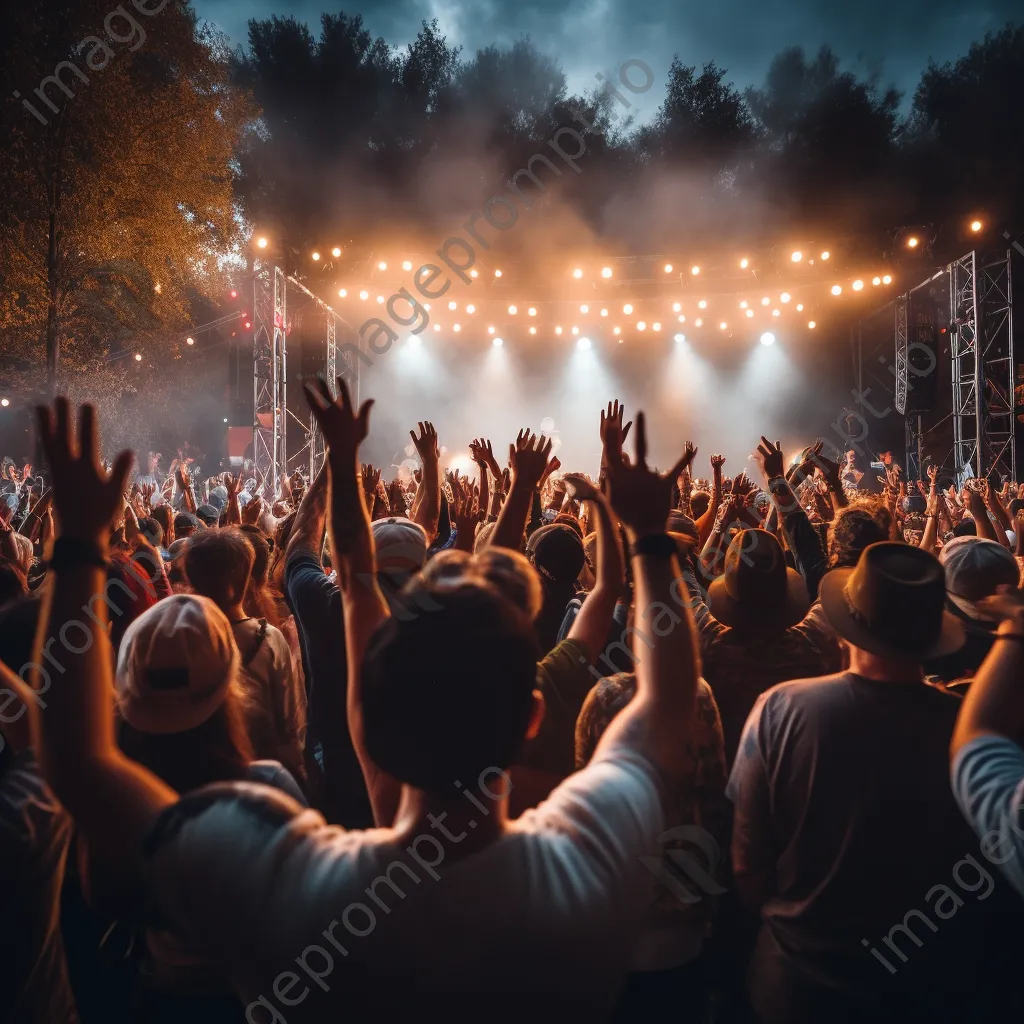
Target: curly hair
x=859 y=525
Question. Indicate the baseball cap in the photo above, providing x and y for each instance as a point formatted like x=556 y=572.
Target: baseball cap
x=208 y=514
x=401 y=545
x=186 y=521
x=974 y=568
x=680 y=522
x=556 y=551
x=176 y=665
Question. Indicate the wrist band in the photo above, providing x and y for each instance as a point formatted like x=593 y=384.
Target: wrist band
x=1019 y=637
x=71 y=553
x=655 y=545
x=777 y=480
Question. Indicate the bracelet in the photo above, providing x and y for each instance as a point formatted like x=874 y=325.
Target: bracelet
x=1019 y=637
x=71 y=553
x=656 y=545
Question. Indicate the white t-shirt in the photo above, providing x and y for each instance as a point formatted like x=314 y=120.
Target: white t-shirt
x=311 y=922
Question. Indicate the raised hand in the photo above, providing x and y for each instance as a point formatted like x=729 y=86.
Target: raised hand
x=87 y=500
x=426 y=443
x=1006 y=603
x=641 y=498
x=581 y=488
x=742 y=486
x=717 y=462
x=529 y=458
x=184 y=477
x=613 y=432
x=344 y=428
x=371 y=478
x=769 y=458
x=233 y=485
x=552 y=467
x=690 y=453
x=483 y=455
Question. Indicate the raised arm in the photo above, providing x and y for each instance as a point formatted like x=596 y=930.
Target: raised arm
x=114 y=801
x=659 y=718
x=591 y=625
x=529 y=457
x=707 y=521
x=311 y=517
x=354 y=558
x=427 y=509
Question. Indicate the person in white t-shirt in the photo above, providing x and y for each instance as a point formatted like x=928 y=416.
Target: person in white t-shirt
x=446 y=898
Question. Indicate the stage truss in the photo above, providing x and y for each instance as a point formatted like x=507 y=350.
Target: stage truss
x=270 y=377
x=983 y=366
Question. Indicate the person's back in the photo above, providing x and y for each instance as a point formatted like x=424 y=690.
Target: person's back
x=873 y=894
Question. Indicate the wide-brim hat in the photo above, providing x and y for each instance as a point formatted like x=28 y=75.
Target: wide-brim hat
x=892 y=603
x=757 y=588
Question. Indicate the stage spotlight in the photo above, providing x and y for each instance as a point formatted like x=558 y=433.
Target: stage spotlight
x=976 y=226
x=138 y=357
x=698 y=322
x=583 y=344
x=695 y=271
x=584 y=309
x=606 y=271
x=641 y=325
x=407 y=265
x=472 y=273
x=876 y=280
x=800 y=307
x=316 y=256
x=453 y=305
x=490 y=330
x=750 y=313
x=622 y=341
x=837 y=289
x=796 y=258
x=5 y=402
x=497 y=273
x=437 y=327
x=471 y=309
x=785 y=297
x=668 y=268
x=744 y=263
x=886 y=279
x=577 y=273
x=415 y=340
x=497 y=342
x=343 y=293
x=680 y=338
x=913 y=242
x=364 y=295
x=531 y=311
x=261 y=243
x=513 y=310
x=656 y=326
x=190 y=341
x=766 y=301
x=558 y=330
x=722 y=326
x=456 y=328
x=604 y=312
x=767 y=338
x=744 y=304
x=225 y=419
x=811 y=324
x=382 y=265
x=233 y=293
x=426 y=306
x=826 y=254
x=703 y=304
x=380 y=300
x=336 y=251
x=677 y=307
x=627 y=309
x=682 y=318
x=533 y=330
x=617 y=330
x=247 y=325
x=575 y=329
x=858 y=285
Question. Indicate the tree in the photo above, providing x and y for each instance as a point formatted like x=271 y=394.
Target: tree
x=119 y=208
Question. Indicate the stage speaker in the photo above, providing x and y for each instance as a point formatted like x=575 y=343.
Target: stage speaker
x=923 y=369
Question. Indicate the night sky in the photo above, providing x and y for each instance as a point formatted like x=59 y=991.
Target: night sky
x=894 y=38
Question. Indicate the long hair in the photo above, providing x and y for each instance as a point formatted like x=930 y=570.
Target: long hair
x=216 y=751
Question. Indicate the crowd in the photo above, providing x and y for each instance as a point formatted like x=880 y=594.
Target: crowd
x=534 y=744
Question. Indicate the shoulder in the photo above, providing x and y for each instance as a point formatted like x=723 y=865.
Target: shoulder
x=567 y=658
x=273 y=773
x=30 y=813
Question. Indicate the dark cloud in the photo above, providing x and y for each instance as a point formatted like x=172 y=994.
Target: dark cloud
x=893 y=38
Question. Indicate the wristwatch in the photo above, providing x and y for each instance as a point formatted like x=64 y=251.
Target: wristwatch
x=654 y=545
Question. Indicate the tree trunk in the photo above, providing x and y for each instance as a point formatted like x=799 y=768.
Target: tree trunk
x=52 y=312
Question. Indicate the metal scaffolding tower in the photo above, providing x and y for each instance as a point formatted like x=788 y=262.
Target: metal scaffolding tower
x=270 y=361
x=983 y=367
